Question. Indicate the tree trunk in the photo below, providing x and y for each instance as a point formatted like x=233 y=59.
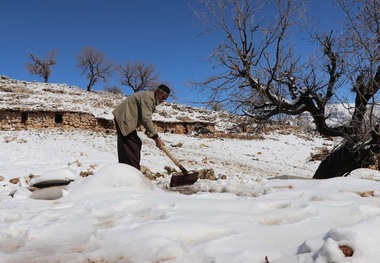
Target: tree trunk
x=90 y=84
x=339 y=162
x=350 y=156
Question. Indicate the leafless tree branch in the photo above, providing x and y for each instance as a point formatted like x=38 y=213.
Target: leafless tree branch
x=42 y=67
x=138 y=76
x=95 y=66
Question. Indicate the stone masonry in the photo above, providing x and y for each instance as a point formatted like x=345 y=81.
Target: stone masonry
x=11 y=119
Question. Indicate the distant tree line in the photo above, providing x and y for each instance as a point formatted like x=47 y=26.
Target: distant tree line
x=97 y=68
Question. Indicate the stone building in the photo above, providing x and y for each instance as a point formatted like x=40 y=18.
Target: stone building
x=20 y=119
x=33 y=105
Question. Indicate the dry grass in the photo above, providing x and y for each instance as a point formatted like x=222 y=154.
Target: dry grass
x=242 y=136
x=321 y=153
x=15 y=89
x=260 y=132
x=367 y=194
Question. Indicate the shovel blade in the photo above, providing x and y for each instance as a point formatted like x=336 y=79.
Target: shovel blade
x=181 y=179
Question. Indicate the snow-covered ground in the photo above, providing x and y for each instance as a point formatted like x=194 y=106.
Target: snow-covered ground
x=118 y=215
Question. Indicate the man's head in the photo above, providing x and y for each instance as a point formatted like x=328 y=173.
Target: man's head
x=162 y=93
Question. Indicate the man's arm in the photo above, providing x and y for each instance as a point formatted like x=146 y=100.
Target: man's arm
x=159 y=142
x=147 y=109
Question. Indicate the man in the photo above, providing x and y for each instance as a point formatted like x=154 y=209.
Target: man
x=136 y=110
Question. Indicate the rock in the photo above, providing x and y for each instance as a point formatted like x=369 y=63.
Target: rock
x=144 y=169
x=207 y=174
x=175 y=106
x=147 y=173
x=177 y=145
x=184 y=118
x=86 y=173
x=347 y=251
x=170 y=169
x=367 y=194
x=14 y=180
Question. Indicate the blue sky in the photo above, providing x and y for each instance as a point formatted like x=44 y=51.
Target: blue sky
x=159 y=32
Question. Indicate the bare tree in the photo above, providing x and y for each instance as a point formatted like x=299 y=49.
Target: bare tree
x=252 y=54
x=263 y=78
x=359 y=49
x=41 y=66
x=138 y=76
x=94 y=64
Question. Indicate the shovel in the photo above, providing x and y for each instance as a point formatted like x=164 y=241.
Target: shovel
x=184 y=178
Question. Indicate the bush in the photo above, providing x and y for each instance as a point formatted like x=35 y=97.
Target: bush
x=113 y=89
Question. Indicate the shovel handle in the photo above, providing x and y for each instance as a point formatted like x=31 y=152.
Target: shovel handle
x=170 y=155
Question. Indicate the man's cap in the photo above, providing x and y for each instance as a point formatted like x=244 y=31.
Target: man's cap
x=164 y=88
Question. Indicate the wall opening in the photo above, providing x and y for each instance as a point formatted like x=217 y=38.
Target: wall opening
x=58 y=117
x=24 y=117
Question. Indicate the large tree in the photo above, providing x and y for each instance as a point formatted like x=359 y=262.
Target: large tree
x=95 y=65
x=138 y=76
x=42 y=66
x=263 y=77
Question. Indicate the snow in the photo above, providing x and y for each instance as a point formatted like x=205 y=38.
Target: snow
x=262 y=207
x=118 y=215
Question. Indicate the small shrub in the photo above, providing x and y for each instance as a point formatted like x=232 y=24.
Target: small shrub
x=113 y=89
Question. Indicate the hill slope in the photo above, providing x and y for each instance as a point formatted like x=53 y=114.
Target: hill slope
x=16 y=94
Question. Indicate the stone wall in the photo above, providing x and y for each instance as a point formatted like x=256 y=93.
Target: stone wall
x=27 y=119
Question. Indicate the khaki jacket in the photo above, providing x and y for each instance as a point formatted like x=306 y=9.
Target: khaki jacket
x=136 y=110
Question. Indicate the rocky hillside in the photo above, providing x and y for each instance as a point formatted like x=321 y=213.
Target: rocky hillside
x=23 y=95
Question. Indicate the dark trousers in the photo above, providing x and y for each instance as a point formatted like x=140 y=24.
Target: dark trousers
x=129 y=148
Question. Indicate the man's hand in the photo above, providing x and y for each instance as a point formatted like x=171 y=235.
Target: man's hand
x=159 y=143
